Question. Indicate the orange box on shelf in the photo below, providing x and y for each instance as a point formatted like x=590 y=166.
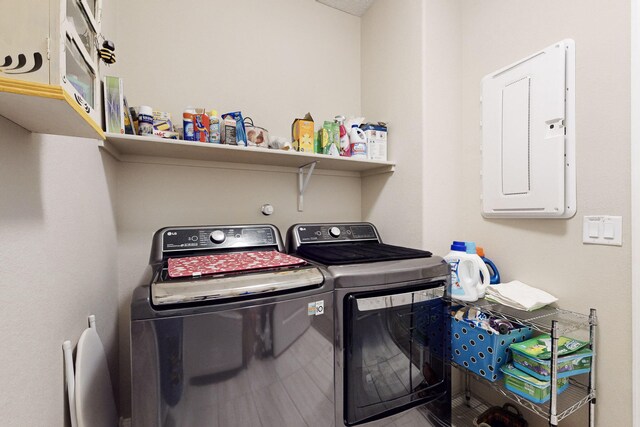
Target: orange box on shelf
x=302 y=134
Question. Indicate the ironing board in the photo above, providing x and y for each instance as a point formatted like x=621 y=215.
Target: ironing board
x=90 y=392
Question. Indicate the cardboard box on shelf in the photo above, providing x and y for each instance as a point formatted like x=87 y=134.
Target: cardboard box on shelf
x=302 y=134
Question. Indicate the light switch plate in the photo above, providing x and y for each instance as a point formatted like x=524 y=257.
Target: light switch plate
x=602 y=230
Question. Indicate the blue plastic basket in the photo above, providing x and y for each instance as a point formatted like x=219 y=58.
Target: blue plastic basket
x=483 y=352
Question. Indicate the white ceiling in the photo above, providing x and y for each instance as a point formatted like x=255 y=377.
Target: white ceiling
x=354 y=7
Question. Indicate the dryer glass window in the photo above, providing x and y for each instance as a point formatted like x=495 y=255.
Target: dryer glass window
x=396 y=351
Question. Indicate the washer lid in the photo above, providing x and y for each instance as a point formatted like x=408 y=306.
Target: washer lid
x=211 y=288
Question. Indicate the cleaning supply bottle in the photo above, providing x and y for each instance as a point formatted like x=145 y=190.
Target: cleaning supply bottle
x=145 y=120
x=187 y=121
x=358 y=141
x=484 y=278
x=345 y=146
x=494 y=279
x=214 y=127
x=464 y=273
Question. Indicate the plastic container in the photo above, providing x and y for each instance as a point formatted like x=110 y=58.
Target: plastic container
x=214 y=127
x=481 y=351
x=145 y=120
x=187 y=122
x=494 y=277
x=485 y=278
x=358 y=141
x=464 y=273
x=530 y=388
x=573 y=364
x=540 y=346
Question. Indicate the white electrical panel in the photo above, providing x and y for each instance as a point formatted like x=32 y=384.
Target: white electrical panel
x=528 y=137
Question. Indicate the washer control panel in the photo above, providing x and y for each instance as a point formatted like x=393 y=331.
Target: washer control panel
x=315 y=233
x=185 y=238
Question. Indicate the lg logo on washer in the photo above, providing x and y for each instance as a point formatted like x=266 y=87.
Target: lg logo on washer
x=315 y=308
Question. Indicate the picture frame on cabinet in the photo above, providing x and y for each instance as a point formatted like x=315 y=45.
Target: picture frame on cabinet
x=113 y=105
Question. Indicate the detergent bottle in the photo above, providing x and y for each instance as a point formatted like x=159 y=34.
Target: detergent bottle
x=465 y=274
x=358 y=141
x=495 y=274
x=484 y=278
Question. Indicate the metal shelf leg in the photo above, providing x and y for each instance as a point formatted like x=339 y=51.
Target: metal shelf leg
x=553 y=405
x=593 y=321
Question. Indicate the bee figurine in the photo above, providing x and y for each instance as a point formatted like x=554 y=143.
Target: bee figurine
x=106 y=52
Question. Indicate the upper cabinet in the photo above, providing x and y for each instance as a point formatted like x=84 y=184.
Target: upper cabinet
x=49 y=80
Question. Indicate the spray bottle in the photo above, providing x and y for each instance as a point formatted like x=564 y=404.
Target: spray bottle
x=345 y=146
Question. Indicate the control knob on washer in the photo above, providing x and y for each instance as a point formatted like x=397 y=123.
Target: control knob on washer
x=217 y=236
x=334 y=232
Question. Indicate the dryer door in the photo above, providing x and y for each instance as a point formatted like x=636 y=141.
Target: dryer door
x=395 y=352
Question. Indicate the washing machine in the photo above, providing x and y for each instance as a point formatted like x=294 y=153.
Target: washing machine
x=229 y=330
x=392 y=347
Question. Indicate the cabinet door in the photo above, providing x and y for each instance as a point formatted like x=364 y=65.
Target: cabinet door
x=23 y=41
x=78 y=58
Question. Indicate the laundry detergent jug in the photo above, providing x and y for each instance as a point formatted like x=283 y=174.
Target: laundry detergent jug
x=495 y=274
x=485 y=278
x=465 y=274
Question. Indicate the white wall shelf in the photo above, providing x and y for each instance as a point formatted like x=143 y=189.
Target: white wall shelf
x=126 y=146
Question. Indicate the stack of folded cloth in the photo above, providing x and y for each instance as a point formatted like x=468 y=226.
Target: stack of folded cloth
x=518 y=295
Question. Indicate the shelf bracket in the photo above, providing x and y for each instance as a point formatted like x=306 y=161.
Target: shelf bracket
x=303 y=182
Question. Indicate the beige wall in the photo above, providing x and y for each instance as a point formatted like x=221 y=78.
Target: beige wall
x=411 y=70
x=439 y=193
x=442 y=135
x=392 y=92
x=259 y=74
x=58 y=258
x=549 y=254
x=274 y=60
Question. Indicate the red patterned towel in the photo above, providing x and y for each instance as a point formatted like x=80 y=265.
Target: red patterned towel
x=230 y=262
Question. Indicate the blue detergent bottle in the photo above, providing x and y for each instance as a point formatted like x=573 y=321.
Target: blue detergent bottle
x=494 y=279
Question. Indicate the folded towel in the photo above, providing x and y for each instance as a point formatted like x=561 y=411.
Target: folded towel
x=519 y=295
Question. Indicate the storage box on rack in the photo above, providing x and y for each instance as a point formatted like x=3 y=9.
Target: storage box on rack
x=529 y=387
x=481 y=351
x=572 y=364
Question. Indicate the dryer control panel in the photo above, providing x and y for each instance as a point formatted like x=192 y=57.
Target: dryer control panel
x=317 y=233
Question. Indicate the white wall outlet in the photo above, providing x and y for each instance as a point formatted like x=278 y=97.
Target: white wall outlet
x=602 y=230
